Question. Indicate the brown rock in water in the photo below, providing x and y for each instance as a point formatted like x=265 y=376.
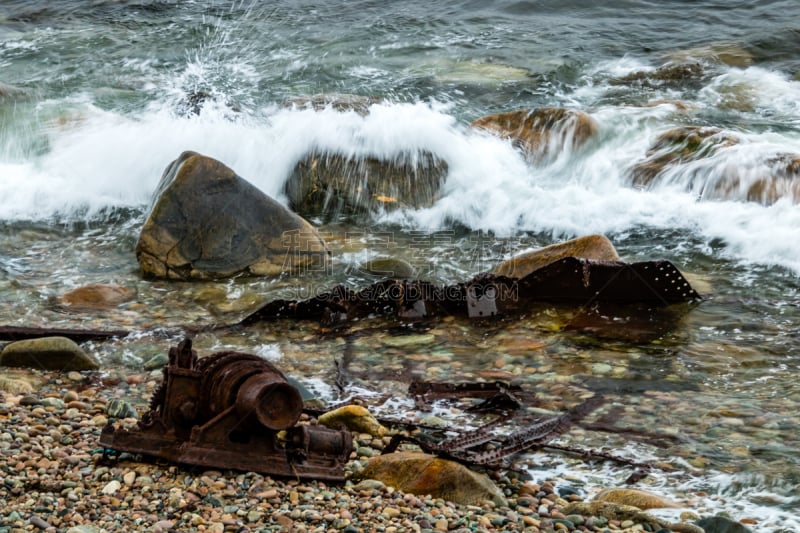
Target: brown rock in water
x=207 y=223
x=596 y=247
x=637 y=498
x=777 y=177
x=677 y=146
x=420 y=473
x=333 y=184
x=47 y=353
x=541 y=133
x=354 y=418
x=764 y=181
x=96 y=296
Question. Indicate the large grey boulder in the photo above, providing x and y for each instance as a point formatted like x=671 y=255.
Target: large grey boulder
x=207 y=222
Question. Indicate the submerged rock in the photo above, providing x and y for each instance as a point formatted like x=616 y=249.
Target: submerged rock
x=420 y=473
x=10 y=92
x=726 y=53
x=764 y=179
x=597 y=247
x=96 y=296
x=207 y=223
x=541 y=133
x=388 y=267
x=327 y=183
x=47 y=353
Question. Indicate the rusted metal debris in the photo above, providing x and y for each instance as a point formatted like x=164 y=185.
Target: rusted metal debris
x=236 y=411
x=497 y=395
x=569 y=280
x=488 y=446
x=468 y=447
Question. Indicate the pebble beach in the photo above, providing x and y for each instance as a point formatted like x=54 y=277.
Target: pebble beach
x=56 y=478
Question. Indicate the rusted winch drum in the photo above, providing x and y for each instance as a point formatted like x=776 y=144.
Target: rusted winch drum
x=258 y=390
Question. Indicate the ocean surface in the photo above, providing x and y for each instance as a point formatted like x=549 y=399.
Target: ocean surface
x=94 y=103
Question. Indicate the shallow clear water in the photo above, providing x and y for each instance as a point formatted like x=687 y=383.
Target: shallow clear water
x=98 y=114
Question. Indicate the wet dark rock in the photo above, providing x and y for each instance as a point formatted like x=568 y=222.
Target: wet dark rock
x=195 y=101
x=720 y=524
x=597 y=247
x=671 y=75
x=207 y=222
x=543 y=132
x=763 y=180
x=337 y=101
x=333 y=184
x=47 y=353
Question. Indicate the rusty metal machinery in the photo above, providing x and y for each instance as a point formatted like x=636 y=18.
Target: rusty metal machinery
x=232 y=410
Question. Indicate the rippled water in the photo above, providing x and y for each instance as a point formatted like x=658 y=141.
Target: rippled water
x=97 y=115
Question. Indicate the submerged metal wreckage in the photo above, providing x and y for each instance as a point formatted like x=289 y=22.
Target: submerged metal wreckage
x=569 y=280
x=232 y=410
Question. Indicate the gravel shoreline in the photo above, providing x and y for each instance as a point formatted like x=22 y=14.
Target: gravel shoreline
x=55 y=479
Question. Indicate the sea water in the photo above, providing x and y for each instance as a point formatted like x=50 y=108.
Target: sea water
x=94 y=108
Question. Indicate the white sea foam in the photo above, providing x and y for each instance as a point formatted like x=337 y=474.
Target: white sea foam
x=106 y=159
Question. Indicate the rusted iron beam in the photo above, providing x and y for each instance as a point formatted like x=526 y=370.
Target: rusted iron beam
x=16 y=333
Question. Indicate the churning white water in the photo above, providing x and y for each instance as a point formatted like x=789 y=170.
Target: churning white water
x=99 y=159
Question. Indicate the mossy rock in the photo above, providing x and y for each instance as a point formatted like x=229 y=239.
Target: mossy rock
x=47 y=353
x=543 y=132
